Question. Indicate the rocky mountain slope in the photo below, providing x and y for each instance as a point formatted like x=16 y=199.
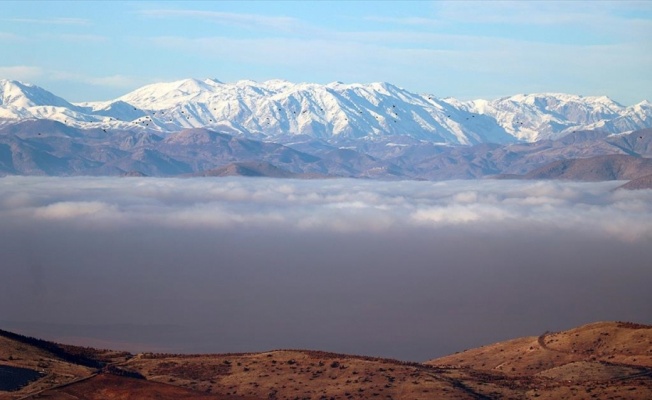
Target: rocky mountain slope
x=45 y=147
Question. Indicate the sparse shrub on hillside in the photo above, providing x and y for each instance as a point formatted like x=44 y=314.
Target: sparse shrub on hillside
x=113 y=370
x=72 y=354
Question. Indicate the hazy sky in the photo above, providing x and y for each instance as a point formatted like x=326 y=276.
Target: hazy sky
x=411 y=270
x=88 y=51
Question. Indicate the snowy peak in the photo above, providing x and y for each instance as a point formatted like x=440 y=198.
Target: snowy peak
x=169 y=94
x=537 y=116
x=279 y=110
x=22 y=95
x=561 y=102
x=643 y=105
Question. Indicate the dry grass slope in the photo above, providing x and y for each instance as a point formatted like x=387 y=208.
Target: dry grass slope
x=605 y=360
x=111 y=387
x=612 y=359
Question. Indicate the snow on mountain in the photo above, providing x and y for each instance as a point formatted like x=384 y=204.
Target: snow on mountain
x=22 y=101
x=532 y=117
x=638 y=116
x=23 y=95
x=278 y=110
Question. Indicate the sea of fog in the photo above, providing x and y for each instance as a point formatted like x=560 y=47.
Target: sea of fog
x=409 y=270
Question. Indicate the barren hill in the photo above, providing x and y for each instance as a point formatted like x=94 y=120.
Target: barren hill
x=252 y=169
x=113 y=387
x=643 y=182
x=598 y=168
x=600 y=356
x=606 y=360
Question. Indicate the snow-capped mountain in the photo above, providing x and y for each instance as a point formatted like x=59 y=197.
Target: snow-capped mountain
x=24 y=95
x=22 y=101
x=276 y=108
x=279 y=111
x=532 y=117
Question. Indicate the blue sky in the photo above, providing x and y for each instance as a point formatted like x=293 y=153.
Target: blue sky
x=86 y=51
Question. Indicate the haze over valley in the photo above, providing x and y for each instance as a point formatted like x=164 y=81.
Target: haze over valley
x=405 y=269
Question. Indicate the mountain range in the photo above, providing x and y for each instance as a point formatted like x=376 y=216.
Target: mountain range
x=375 y=130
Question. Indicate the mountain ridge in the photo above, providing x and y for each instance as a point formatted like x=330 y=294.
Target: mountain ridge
x=46 y=147
x=375 y=130
x=274 y=109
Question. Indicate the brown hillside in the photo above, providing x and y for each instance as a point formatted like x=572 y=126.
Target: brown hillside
x=257 y=169
x=251 y=169
x=290 y=374
x=616 y=348
x=605 y=360
x=111 y=387
x=53 y=369
x=599 y=168
x=644 y=182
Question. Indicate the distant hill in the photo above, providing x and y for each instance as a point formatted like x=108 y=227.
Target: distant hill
x=46 y=147
x=133 y=174
x=598 y=168
x=643 y=182
x=250 y=169
x=604 y=360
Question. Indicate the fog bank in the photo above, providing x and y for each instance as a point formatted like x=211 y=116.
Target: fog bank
x=411 y=270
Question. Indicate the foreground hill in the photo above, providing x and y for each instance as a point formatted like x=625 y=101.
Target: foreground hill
x=607 y=344
x=114 y=387
x=601 y=360
x=606 y=360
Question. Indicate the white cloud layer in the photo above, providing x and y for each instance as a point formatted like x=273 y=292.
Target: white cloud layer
x=332 y=205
